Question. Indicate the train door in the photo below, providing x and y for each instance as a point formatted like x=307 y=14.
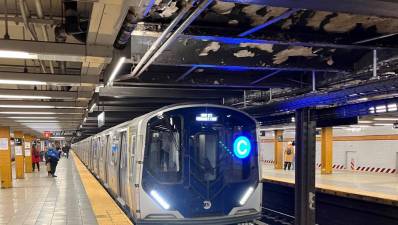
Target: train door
x=114 y=163
x=132 y=170
x=123 y=179
x=351 y=160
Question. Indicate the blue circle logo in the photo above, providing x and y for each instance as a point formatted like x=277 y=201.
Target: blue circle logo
x=242 y=147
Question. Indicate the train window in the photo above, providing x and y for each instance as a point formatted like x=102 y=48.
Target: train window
x=132 y=155
x=114 y=149
x=205 y=149
x=123 y=148
x=164 y=153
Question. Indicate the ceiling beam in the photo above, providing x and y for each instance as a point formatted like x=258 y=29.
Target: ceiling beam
x=207 y=54
x=50 y=104
x=166 y=92
x=52 y=79
x=32 y=112
x=60 y=51
x=381 y=8
x=376 y=87
x=67 y=95
x=196 y=86
x=41 y=117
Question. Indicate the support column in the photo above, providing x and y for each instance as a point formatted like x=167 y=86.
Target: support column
x=28 y=153
x=305 y=168
x=5 y=158
x=327 y=150
x=19 y=155
x=278 y=151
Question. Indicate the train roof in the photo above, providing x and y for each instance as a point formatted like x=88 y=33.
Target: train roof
x=165 y=109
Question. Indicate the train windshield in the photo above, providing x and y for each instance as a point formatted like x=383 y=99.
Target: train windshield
x=209 y=145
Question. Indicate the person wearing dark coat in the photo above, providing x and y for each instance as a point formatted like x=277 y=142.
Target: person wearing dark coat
x=52 y=158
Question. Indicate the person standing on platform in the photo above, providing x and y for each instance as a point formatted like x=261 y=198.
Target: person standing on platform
x=52 y=157
x=289 y=156
x=66 y=149
x=35 y=158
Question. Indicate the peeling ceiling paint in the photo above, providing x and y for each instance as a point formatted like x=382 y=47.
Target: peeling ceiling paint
x=170 y=10
x=284 y=55
x=244 y=53
x=258 y=19
x=262 y=47
x=223 y=8
x=343 y=22
x=212 y=47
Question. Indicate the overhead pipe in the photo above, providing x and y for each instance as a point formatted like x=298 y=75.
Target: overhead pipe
x=155 y=46
x=23 y=7
x=176 y=34
x=39 y=10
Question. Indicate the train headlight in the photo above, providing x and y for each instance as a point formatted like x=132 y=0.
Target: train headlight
x=246 y=195
x=159 y=199
x=242 y=147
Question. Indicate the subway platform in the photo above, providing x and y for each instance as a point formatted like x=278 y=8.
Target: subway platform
x=74 y=197
x=382 y=188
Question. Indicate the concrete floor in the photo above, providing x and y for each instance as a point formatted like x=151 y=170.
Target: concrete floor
x=39 y=199
x=377 y=185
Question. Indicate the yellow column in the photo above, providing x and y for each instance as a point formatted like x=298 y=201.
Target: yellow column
x=19 y=154
x=326 y=150
x=5 y=158
x=28 y=153
x=278 y=143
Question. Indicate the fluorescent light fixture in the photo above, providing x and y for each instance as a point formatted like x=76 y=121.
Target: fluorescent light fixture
x=372 y=110
x=93 y=106
x=359 y=126
x=159 y=199
x=386 y=119
x=39 y=121
x=246 y=196
x=31 y=113
x=25 y=97
x=17 y=55
x=22 y=82
x=365 y=121
x=28 y=106
x=381 y=109
x=383 y=124
x=392 y=107
x=30 y=117
x=57 y=137
x=116 y=70
x=363 y=99
x=293 y=119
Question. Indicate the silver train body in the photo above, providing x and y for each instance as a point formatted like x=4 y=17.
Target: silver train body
x=182 y=164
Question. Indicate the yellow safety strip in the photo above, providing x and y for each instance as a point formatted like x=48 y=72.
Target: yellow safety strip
x=106 y=211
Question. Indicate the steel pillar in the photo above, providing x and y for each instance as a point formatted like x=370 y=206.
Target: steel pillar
x=305 y=168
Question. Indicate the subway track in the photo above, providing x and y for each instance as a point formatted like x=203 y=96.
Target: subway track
x=278 y=208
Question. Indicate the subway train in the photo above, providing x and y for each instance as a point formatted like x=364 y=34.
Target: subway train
x=181 y=164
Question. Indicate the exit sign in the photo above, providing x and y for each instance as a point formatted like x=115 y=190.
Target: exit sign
x=47 y=134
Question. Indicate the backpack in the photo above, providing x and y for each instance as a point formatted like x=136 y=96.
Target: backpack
x=289 y=151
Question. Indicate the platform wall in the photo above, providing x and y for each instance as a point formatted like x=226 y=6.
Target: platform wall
x=373 y=149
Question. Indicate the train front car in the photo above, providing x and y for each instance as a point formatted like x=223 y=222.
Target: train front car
x=200 y=167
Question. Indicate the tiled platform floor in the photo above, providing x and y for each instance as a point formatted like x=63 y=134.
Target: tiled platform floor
x=383 y=187
x=39 y=199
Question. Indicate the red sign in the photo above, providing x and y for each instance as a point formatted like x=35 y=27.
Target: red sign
x=47 y=134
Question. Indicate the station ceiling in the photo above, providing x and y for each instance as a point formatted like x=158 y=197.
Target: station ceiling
x=126 y=58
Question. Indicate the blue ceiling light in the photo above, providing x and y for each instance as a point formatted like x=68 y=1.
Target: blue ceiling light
x=242 y=147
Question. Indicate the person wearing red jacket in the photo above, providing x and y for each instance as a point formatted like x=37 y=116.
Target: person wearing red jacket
x=35 y=158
